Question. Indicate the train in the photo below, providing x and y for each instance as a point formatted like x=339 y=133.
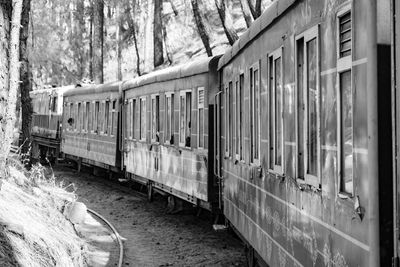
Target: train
x=291 y=135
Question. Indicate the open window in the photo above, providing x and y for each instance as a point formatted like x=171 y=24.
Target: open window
x=114 y=118
x=241 y=116
x=169 y=118
x=255 y=113
x=200 y=120
x=155 y=118
x=345 y=97
x=308 y=102
x=276 y=134
x=185 y=118
x=133 y=118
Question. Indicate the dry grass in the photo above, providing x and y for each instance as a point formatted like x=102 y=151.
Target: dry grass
x=33 y=230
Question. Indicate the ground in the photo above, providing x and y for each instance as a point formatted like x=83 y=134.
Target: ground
x=154 y=238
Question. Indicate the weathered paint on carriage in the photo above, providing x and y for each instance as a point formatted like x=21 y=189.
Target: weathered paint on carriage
x=89 y=145
x=288 y=223
x=186 y=170
x=45 y=121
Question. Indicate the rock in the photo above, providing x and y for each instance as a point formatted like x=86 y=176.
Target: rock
x=76 y=212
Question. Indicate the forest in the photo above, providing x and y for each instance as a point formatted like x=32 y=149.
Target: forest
x=73 y=41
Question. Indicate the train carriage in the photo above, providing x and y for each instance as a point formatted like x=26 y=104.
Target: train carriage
x=166 y=131
x=46 y=121
x=90 y=125
x=294 y=142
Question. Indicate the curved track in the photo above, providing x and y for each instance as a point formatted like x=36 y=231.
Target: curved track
x=121 y=246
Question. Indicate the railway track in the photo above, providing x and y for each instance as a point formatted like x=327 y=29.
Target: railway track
x=115 y=232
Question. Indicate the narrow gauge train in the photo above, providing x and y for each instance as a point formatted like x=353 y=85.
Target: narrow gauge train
x=292 y=136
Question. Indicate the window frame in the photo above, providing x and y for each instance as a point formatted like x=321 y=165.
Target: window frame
x=142 y=136
x=344 y=64
x=154 y=138
x=184 y=93
x=308 y=35
x=201 y=106
x=226 y=125
x=279 y=169
x=169 y=95
x=241 y=115
x=255 y=117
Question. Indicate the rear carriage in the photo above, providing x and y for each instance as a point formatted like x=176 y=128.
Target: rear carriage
x=166 y=131
x=90 y=125
x=293 y=148
x=46 y=121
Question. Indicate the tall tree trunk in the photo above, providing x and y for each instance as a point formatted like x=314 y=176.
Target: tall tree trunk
x=227 y=22
x=255 y=9
x=26 y=85
x=91 y=41
x=98 y=40
x=200 y=27
x=118 y=41
x=248 y=17
x=79 y=22
x=167 y=51
x=133 y=27
x=158 y=34
x=8 y=121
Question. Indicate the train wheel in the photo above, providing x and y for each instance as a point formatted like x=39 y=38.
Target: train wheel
x=150 y=192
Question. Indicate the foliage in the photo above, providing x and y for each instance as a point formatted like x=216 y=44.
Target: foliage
x=60 y=36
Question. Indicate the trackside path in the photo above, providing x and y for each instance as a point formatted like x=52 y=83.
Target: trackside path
x=154 y=238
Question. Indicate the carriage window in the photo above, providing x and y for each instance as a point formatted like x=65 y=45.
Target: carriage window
x=114 y=117
x=345 y=35
x=227 y=121
x=96 y=117
x=88 y=117
x=133 y=116
x=185 y=118
x=53 y=104
x=241 y=108
x=254 y=113
x=276 y=112
x=155 y=118
x=79 y=116
x=307 y=75
x=345 y=101
x=106 y=117
x=236 y=120
x=201 y=116
x=142 y=115
x=230 y=114
x=128 y=119
x=169 y=104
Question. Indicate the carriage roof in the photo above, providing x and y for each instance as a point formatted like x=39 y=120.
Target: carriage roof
x=94 y=89
x=274 y=10
x=198 y=66
x=53 y=90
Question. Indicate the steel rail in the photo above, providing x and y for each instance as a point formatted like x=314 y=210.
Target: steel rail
x=121 y=246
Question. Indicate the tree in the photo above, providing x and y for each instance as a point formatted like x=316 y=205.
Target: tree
x=200 y=27
x=25 y=75
x=119 y=43
x=158 y=34
x=226 y=20
x=9 y=87
x=98 y=40
x=248 y=17
x=255 y=9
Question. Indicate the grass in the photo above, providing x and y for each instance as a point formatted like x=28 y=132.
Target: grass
x=33 y=229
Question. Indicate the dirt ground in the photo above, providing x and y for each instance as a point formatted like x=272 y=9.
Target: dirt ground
x=154 y=238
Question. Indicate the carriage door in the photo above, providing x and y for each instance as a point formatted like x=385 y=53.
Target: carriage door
x=396 y=127
x=217 y=142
